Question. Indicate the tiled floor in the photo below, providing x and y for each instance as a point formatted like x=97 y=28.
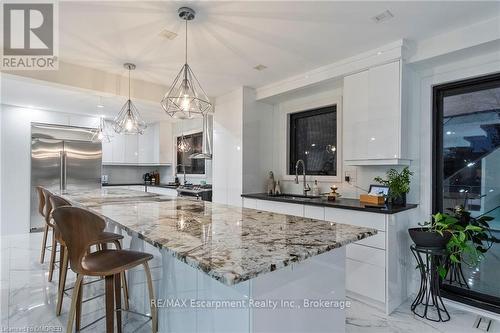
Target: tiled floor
x=27 y=300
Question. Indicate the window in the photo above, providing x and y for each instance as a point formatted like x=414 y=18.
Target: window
x=466 y=158
x=193 y=166
x=313 y=139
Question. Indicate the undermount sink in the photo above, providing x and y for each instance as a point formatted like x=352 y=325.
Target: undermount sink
x=297 y=196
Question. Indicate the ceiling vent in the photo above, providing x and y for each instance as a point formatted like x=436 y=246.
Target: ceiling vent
x=260 y=67
x=382 y=17
x=170 y=35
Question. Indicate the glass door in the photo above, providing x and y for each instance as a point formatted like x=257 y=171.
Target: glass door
x=467 y=172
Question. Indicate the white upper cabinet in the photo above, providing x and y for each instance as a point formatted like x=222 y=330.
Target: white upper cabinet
x=154 y=147
x=373 y=117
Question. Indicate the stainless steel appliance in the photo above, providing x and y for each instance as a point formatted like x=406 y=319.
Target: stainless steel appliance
x=62 y=158
x=203 y=192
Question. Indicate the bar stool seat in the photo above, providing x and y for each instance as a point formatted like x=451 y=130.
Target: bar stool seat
x=110 y=262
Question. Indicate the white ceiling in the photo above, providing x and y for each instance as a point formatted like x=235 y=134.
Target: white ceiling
x=34 y=94
x=227 y=39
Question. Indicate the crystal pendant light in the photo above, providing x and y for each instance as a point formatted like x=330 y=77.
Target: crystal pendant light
x=102 y=134
x=129 y=121
x=186 y=98
x=183 y=145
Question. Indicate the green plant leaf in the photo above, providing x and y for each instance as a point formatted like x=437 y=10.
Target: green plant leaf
x=442 y=272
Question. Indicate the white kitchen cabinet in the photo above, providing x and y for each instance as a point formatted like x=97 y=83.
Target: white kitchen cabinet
x=154 y=147
x=140 y=188
x=249 y=203
x=281 y=207
x=373 y=117
x=118 y=148
x=146 y=145
x=376 y=267
x=314 y=212
x=107 y=152
x=131 y=149
x=162 y=191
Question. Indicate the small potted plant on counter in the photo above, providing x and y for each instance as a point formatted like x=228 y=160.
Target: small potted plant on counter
x=399 y=185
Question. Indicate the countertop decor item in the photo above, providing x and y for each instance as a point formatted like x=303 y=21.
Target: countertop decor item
x=333 y=195
x=372 y=199
x=277 y=188
x=129 y=121
x=186 y=98
x=399 y=185
x=270 y=183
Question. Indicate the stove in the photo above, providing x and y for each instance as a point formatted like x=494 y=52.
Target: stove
x=203 y=192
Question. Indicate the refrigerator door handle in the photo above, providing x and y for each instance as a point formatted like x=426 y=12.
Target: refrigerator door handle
x=64 y=171
x=61 y=172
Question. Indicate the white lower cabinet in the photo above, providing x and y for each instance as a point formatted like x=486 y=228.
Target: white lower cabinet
x=137 y=188
x=365 y=280
x=280 y=207
x=163 y=191
x=371 y=262
x=314 y=212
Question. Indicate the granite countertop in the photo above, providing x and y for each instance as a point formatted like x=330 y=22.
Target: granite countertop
x=231 y=244
x=142 y=184
x=343 y=203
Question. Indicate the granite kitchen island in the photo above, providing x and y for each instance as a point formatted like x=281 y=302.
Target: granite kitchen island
x=222 y=268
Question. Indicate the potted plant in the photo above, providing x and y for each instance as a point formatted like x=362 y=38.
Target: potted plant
x=399 y=185
x=460 y=234
x=480 y=238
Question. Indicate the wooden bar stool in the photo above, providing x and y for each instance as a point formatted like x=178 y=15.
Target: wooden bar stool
x=104 y=238
x=80 y=229
x=41 y=210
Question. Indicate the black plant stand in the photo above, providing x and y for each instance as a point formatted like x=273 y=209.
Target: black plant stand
x=429 y=299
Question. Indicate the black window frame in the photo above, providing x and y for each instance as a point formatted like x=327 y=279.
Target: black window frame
x=439 y=92
x=292 y=136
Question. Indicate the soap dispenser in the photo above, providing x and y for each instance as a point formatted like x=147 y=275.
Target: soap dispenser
x=315 y=189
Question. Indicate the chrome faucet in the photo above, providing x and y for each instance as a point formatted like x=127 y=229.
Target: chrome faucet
x=306 y=187
x=184 y=171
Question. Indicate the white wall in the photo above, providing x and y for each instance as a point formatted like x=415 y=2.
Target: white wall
x=228 y=161
x=362 y=176
x=258 y=149
x=446 y=69
x=15 y=152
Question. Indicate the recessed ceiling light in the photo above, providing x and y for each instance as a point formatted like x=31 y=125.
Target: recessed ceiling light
x=100 y=105
x=260 y=67
x=384 y=16
x=170 y=35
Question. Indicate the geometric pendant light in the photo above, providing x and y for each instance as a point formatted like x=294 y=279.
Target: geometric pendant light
x=186 y=98
x=129 y=121
x=101 y=134
x=184 y=146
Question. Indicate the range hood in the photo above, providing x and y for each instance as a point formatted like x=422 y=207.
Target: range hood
x=206 y=152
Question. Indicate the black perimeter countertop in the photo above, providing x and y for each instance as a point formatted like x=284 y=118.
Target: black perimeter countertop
x=342 y=203
x=142 y=184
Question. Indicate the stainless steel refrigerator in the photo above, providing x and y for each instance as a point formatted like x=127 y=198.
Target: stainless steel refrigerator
x=63 y=158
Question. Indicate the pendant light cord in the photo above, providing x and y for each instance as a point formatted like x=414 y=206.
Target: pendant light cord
x=129 y=83
x=186 y=45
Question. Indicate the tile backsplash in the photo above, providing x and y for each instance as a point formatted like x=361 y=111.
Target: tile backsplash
x=120 y=174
